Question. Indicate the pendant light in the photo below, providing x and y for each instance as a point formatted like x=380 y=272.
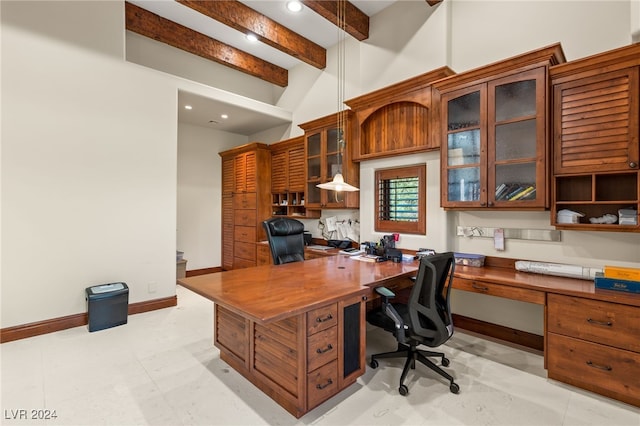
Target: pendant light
x=338 y=184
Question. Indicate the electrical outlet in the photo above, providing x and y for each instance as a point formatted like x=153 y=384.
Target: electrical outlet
x=460 y=231
x=152 y=287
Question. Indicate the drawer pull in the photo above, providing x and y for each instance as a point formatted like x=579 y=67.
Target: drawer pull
x=479 y=287
x=599 y=367
x=327 y=349
x=319 y=386
x=602 y=323
x=327 y=318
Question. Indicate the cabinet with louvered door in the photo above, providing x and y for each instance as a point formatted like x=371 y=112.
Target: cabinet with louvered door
x=596 y=103
x=246 y=181
x=287 y=178
x=228 y=184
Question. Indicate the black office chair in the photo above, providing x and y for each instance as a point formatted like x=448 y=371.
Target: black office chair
x=286 y=239
x=424 y=320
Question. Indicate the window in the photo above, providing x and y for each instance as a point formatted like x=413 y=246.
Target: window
x=400 y=200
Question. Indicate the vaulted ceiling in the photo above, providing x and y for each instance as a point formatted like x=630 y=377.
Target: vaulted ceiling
x=216 y=30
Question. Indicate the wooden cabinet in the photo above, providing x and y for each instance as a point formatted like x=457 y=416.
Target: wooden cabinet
x=594 y=345
x=397 y=119
x=596 y=138
x=493 y=134
x=300 y=361
x=246 y=200
x=328 y=152
x=288 y=179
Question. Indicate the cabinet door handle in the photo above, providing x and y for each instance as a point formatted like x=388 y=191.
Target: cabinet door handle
x=319 y=386
x=490 y=204
x=479 y=287
x=327 y=318
x=602 y=323
x=327 y=349
x=633 y=164
x=599 y=367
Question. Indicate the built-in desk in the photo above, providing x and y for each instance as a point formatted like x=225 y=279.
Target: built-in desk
x=591 y=336
x=296 y=331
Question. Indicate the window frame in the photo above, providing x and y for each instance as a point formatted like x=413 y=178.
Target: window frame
x=418 y=227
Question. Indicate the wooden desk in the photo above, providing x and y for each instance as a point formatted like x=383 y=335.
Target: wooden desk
x=296 y=331
x=591 y=336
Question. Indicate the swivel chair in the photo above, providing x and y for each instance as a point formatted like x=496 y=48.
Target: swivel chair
x=286 y=239
x=424 y=320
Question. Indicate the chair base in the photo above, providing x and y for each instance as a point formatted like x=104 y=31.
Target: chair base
x=412 y=353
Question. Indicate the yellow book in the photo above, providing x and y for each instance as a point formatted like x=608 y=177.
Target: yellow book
x=622 y=273
x=522 y=193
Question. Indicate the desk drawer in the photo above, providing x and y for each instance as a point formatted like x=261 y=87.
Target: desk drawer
x=598 y=368
x=245 y=217
x=499 y=290
x=245 y=251
x=322 y=318
x=244 y=233
x=602 y=322
x=322 y=384
x=263 y=256
x=245 y=200
x=239 y=263
x=322 y=348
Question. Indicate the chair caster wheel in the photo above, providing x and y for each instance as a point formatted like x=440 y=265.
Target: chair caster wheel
x=445 y=362
x=403 y=390
x=373 y=364
x=454 y=388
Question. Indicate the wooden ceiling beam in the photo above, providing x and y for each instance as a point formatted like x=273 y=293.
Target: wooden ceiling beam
x=433 y=2
x=246 y=20
x=163 y=30
x=356 y=22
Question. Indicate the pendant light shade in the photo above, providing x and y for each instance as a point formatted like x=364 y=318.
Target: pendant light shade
x=338 y=184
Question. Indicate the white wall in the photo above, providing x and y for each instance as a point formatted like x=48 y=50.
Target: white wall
x=88 y=162
x=199 y=193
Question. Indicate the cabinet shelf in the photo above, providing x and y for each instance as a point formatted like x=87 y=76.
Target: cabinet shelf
x=595 y=195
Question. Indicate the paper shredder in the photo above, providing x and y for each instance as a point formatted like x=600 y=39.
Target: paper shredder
x=107 y=305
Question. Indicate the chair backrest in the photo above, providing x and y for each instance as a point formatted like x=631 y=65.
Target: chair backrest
x=429 y=309
x=286 y=239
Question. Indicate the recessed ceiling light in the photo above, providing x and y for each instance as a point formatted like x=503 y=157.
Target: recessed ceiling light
x=188 y=107
x=294 y=6
x=252 y=37
x=225 y=116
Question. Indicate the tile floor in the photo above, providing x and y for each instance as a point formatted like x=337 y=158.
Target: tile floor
x=162 y=369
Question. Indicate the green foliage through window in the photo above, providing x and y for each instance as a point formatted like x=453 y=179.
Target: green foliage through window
x=400 y=199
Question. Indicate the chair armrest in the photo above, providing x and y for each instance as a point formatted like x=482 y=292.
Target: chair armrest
x=391 y=312
x=385 y=292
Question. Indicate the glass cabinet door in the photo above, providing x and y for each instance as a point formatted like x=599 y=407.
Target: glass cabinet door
x=464 y=159
x=516 y=127
x=314 y=169
x=334 y=157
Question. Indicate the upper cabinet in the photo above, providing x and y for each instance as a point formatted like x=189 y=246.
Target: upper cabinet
x=494 y=133
x=596 y=140
x=328 y=152
x=397 y=119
